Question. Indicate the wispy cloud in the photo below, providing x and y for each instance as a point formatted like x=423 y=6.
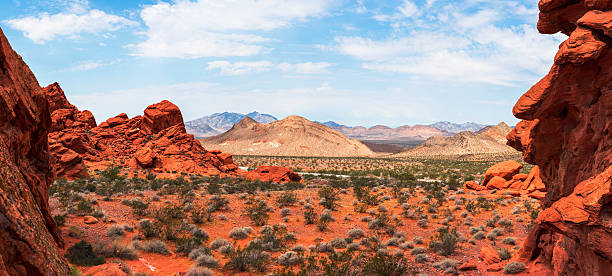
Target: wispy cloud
x=194 y=29
x=228 y=68
x=76 y=19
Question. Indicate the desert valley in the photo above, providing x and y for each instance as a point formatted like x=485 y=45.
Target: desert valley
x=254 y=194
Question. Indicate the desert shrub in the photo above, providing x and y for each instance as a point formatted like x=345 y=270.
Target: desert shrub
x=217 y=243
x=329 y=197
x=406 y=245
x=258 y=213
x=417 y=240
x=393 y=242
x=445 y=241
x=384 y=264
x=116 y=250
x=285 y=212
x=421 y=258
x=187 y=244
x=353 y=246
x=310 y=216
x=324 y=247
x=199 y=215
x=157 y=247
x=200 y=271
x=446 y=264
x=195 y=253
x=207 y=261
x=115 y=231
x=248 y=258
x=422 y=222
x=286 y=199
x=418 y=250
x=290 y=258
x=82 y=254
x=514 y=268
x=238 y=233
x=60 y=220
x=338 y=243
x=509 y=240
x=356 y=233
x=479 y=235
x=226 y=249
x=199 y=233
x=504 y=253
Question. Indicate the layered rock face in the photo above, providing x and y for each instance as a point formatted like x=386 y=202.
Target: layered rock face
x=567 y=131
x=28 y=234
x=156 y=141
x=69 y=139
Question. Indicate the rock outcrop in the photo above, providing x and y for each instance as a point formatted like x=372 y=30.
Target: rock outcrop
x=156 y=141
x=28 y=234
x=567 y=131
x=69 y=139
x=505 y=177
x=274 y=174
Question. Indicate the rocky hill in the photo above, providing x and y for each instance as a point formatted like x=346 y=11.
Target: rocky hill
x=486 y=142
x=292 y=136
x=566 y=130
x=156 y=141
x=29 y=236
x=497 y=132
x=218 y=123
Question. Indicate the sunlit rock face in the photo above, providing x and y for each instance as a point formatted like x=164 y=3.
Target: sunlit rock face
x=567 y=131
x=29 y=237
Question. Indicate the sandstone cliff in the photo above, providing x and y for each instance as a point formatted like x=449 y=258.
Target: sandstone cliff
x=28 y=234
x=567 y=131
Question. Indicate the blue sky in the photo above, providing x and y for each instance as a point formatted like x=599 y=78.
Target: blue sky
x=354 y=62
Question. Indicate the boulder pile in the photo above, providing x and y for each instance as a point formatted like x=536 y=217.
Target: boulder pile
x=505 y=177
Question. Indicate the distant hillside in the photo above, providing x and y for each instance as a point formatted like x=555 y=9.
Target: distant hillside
x=218 y=123
x=488 y=142
x=456 y=128
x=292 y=136
x=381 y=132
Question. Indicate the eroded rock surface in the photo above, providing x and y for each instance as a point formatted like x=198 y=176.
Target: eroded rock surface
x=28 y=234
x=566 y=131
x=274 y=174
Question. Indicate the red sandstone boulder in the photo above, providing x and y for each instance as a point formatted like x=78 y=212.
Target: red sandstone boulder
x=472 y=185
x=505 y=170
x=498 y=183
x=489 y=255
x=29 y=237
x=274 y=174
x=161 y=116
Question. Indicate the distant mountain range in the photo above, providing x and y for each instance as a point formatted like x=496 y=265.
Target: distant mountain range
x=406 y=135
x=292 y=136
x=218 y=123
x=490 y=140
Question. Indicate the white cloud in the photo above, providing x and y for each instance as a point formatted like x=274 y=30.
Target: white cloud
x=194 y=29
x=408 y=8
x=75 y=20
x=306 y=67
x=92 y=64
x=243 y=67
x=239 y=68
x=453 y=42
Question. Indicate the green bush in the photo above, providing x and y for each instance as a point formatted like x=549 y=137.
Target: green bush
x=258 y=213
x=82 y=254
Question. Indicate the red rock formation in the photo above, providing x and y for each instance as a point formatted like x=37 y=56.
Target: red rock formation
x=28 y=234
x=505 y=177
x=505 y=170
x=274 y=174
x=566 y=131
x=69 y=138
